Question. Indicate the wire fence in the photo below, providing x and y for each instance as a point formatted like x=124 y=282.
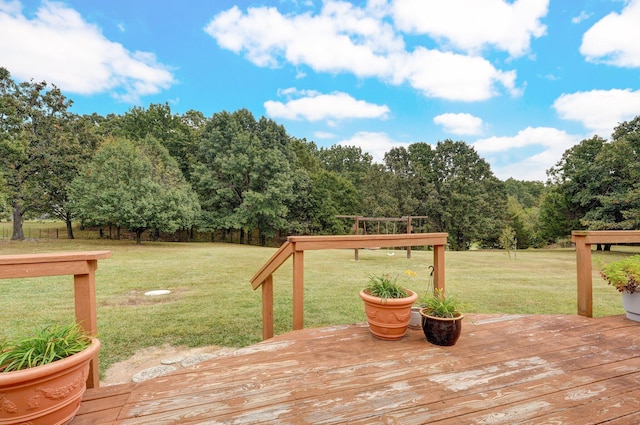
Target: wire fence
x=35 y=231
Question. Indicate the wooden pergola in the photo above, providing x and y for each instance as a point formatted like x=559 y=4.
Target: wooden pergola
x=362 y=219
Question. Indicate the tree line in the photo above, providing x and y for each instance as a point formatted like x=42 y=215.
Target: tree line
x=150 y=169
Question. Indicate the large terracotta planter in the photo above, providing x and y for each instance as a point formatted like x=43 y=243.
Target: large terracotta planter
x=631 y=304
x=443 y=331
x=388 y=318
x=48 y=394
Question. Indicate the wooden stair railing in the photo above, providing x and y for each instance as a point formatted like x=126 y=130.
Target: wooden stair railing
x=82 y=265
x=296 y=245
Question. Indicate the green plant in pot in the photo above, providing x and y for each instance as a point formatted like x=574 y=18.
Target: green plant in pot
x=43 y=377
x=441 y=318
x=387 y=304
x=624 y=275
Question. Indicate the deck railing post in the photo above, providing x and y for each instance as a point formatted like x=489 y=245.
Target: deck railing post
x=84 y=286
x=583 y=268
x=298 y=289
x=267 y=308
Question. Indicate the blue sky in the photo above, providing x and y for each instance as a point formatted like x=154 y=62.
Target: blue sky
x=521 y=81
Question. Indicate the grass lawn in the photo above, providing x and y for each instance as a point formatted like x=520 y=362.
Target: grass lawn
x=212 y=302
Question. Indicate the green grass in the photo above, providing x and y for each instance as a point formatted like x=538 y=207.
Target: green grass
x=212 y=302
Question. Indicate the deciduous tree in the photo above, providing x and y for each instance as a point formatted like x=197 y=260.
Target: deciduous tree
x=134 y=184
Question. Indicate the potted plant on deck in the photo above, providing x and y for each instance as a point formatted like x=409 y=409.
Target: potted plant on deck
x=441 y=318
x=624 y=275
x=43 y=377
x=387 y=305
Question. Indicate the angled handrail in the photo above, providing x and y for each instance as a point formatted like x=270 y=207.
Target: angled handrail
x=296 y=245
x=277 y=259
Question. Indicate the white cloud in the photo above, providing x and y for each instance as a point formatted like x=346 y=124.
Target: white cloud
x=472 y=25
x=528 y=154
x=453 y=76
x=599 y=110
x=316 y=106
x=324 y=135
x=341 y=38
x=583 y=16
x=58 y=46
x=460 y=123
x=614 y=38
x=377 y=144
x=344 y=38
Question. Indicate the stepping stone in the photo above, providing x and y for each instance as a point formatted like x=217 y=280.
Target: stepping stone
x=153 y=372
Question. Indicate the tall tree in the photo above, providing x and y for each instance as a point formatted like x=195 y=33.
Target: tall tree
x=32 y=118
x=244 y=174
x=580 y=178
x=178 y=133
x=137 y=185
x=75 y=143
x=472 y=199
x=350 y=161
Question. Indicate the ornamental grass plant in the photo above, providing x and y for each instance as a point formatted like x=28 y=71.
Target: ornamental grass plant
x=51 y=343
x=438 y=304
x=385 y=286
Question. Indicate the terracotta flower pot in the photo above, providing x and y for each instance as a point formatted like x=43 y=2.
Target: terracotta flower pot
x=46 y=395
x=388 y=318
x=443 y=331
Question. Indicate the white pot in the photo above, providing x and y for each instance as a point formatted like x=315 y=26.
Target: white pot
x=415 y=322
x=631 y=303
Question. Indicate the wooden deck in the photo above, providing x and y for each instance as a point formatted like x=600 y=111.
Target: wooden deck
x=557 y=369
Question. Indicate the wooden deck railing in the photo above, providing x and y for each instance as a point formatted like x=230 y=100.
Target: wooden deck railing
x=583 y=240
x=82 y=265
x=297 y=245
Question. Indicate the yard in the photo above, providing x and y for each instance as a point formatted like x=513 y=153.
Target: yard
x=212 y=303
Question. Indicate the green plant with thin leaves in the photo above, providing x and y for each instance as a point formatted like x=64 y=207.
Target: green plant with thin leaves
x=53 y=342
x=385 y=286
x=438 y=304
x=624 y=275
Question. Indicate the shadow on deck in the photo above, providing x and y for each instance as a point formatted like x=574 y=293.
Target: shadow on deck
x=515 y=369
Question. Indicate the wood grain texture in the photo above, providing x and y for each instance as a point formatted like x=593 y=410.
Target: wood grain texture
x=529 y=369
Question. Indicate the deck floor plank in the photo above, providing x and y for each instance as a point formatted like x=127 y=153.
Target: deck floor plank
x=556 y=369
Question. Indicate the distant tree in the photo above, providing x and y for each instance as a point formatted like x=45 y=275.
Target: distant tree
x=527 y=193
x=244 y=173
x=376 y=191
x=516 y=217
x=74 y=144
x=137 y=185
x=326 y=196
x=403 y=181
x=599 y=180
x=177 y=133
x=349 y=161
x=507 y=239
x=619 y=185
x=557 y=216
x=32 y=121
x=472 y=200
x=579 y=180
